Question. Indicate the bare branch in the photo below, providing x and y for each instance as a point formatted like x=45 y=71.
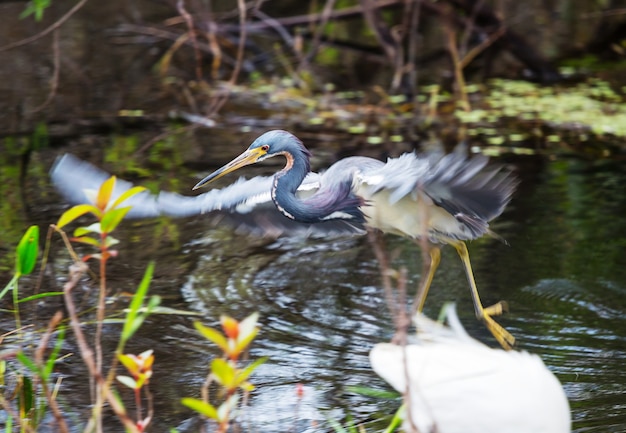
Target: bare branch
x=43 y=33
x=54 y=81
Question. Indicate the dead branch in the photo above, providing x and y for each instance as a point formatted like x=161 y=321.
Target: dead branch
x=50 y=29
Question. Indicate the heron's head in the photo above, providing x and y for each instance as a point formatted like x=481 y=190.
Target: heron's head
x=270 y=144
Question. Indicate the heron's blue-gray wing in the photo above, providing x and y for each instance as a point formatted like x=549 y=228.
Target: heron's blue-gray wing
x=468 y=188
x=246 y=204
x=75 y=178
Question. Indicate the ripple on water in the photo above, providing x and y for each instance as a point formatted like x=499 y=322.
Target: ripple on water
x=579 y=330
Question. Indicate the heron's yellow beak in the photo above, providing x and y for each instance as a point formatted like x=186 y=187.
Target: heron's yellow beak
x=250 y=156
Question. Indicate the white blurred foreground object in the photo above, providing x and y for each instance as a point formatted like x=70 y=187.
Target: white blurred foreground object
x=459 y=385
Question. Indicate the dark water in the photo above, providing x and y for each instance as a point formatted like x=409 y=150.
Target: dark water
x=321 y=305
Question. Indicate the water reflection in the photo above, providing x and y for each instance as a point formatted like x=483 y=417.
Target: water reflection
x=319 y=320
x=563 y=274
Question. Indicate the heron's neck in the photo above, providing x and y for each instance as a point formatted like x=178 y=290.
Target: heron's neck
x=333 y=202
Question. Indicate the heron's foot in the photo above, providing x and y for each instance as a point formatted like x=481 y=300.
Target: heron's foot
x=496 y=309
x=504 y=337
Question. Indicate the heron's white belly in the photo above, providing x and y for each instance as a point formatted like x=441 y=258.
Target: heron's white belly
x=410 y=216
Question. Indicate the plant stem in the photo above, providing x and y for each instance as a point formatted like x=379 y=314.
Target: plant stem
x=138 y=403
x=16 y=305
x=76 y=272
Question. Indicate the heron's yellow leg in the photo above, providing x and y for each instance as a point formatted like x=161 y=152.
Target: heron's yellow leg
x=503 y=336
x=422 y=292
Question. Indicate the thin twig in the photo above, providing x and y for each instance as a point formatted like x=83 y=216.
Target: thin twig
x=315 y=43
x=471 y=55
x=274 y=23
x=242 y=41
x=180 y=6
x=169 y=36
x=204 y=390
x=163 y=135
x=77 y=270
x=54 y=81
x=469 y=28
x=43 y=33
x=6 y=406
x=98 y=336
x=397 y=310
x=457 y=66
x=43 y=345
x=150 y=403
x=309 y=18
x=413 y=46
x=215 y=48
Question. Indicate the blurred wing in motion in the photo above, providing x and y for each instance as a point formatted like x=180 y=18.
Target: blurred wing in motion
x=234 y=204
x=458 y=385
x=468 y=189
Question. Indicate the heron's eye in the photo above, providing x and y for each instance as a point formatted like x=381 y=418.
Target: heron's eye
x=265 y=148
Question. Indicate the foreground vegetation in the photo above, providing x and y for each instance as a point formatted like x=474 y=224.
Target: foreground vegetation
x=568 y=108
x=31 y=389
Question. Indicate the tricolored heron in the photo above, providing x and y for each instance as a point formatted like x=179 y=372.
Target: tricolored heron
x=455 y=384
x=446 y=199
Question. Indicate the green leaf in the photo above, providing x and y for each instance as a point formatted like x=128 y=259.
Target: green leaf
x=87 y=240
x=248 y=325
x=246 y=386
x=131 y=324
x=127 y=361
x=371 y=392
x=141 y=381
x=245 y=339
x=153 y=303
x=243 y=375
x=104 y=193
x=112 y=218
x=338 y=428
x=27 y=251
x=39 y=296
x=127 y=381
x=9 y=286
x=27 y=394
x=227 y=407
x=126 y=195
x=110 y=241
x=52 y=359
x=91 y=195
x=247 y=331
x=172 y=311
x=203 y=408
x=223 y=372
x=35 y=7
x=397 y=419
x=77 y=211
x=27 y=362
x=93 y=228
x=213 y=336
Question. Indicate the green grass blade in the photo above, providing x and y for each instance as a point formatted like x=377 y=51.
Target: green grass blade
x=9 y=286
x=397 y=419
x=39 y=296
x=52 y=359
x=27 y=251
x=131 y=324
x=27 y=362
